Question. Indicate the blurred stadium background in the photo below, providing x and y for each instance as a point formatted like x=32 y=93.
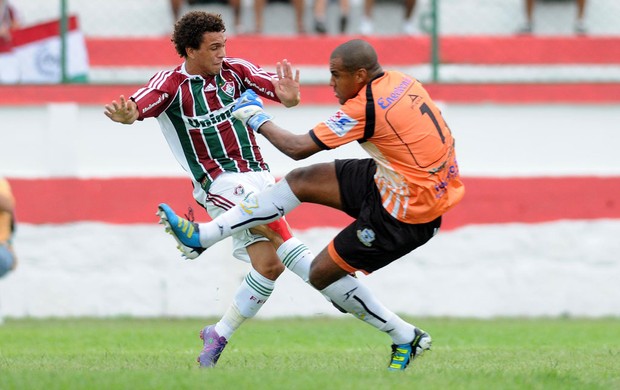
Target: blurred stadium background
x=145 y=18
x=535 y=117
x=475 y=39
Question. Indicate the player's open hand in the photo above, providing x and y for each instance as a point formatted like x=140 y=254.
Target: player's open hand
x=124 y=111
x=287 y=85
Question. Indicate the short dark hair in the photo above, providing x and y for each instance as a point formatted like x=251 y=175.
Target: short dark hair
x=356 y=54
x=188 y=30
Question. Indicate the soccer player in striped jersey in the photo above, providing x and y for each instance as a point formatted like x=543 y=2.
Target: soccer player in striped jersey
x=193 y=104
x=397 y=196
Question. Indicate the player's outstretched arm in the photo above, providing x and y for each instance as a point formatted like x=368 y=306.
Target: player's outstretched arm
x=124 y=111
x=287 y=86
x=296 y=146
x=249 y=110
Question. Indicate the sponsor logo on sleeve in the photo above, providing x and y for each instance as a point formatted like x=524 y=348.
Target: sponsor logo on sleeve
x=340 y=123
x=157 y=102
x=258 y=88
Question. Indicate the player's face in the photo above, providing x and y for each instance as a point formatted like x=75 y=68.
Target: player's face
x=346 y=84
x=207 y=59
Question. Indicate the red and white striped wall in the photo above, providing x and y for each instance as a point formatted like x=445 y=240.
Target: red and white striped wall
x=536 y=234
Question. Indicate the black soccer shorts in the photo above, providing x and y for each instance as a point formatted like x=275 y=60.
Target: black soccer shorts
x=375 y=238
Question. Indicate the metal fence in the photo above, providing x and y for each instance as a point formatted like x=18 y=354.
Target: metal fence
x=141 y=18
x=491 y=27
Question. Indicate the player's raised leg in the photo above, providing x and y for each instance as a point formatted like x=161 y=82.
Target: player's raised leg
x=255 y=210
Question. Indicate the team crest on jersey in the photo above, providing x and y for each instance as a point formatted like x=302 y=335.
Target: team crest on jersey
x=229 y=88
x=340 y=123
x=366 y=236
x=239 y=190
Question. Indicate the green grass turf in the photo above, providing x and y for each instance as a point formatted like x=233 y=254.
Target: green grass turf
x=308 y=353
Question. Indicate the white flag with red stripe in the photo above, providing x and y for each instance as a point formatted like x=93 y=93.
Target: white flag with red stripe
x=38 y=50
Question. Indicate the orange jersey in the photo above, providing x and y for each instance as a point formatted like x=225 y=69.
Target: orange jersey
x=403 y=131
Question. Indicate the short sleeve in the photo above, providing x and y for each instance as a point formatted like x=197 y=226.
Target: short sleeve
x=345 y=126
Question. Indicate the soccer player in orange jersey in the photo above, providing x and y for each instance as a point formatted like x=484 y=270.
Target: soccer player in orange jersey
x=397 y=196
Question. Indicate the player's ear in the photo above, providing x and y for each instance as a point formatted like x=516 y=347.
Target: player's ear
x=361 y=76
x=191 y=52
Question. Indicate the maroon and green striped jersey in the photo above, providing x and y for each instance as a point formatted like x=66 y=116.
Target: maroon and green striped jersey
x=195 y=116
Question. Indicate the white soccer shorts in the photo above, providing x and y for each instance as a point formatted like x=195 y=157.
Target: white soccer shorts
x=229 y=189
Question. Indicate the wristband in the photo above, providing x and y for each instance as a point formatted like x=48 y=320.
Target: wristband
x=258 y=119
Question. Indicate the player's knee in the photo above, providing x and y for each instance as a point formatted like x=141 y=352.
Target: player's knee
x=295 y=176
x=324 y=271
x=305 y=181
x=315 y=282
x=302 y=174
x=271 y=270
x=316 y=278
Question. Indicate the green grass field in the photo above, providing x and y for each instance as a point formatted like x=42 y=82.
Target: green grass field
x=316 y=353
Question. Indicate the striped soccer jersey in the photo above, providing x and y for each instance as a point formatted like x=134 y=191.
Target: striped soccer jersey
x=401 y=128
x=195 y=116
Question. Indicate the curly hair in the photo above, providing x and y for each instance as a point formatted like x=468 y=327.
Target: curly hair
x=188 y=30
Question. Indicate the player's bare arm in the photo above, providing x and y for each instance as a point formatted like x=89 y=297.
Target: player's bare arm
x=6 y=204
x=125 y=111
x=249 y=109
x=287 y=86
x=296 y=146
